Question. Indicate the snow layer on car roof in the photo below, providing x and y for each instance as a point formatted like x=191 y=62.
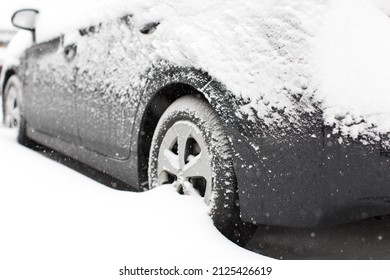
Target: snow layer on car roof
x=269 y=53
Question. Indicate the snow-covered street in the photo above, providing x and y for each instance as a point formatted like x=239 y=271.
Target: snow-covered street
x=53 y=216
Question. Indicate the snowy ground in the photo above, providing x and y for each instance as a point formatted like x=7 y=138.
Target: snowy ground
x=55 y=219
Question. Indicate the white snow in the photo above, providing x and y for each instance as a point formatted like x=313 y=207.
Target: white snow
x=354 y=61
x=18 y=44
x=55 y=221
x=384 y=5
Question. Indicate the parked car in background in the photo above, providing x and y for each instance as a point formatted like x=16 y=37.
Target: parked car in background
x=5 y=37
x=223 y=104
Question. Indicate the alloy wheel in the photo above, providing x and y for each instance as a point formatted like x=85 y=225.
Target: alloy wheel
x=184 y=161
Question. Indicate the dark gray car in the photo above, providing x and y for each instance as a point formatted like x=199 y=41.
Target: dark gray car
x=161 y=123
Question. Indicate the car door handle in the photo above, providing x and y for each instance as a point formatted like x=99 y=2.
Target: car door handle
x=70 y=51
x=149 y=28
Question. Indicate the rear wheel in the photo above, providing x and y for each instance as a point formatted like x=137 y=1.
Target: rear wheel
x=191 y=151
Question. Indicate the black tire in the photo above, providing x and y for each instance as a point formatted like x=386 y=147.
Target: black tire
x=13 y=85
x=224 y=208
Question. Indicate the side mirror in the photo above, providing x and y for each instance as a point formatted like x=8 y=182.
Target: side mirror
x=25 y=19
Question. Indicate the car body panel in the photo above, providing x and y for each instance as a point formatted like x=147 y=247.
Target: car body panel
x=313 y=182
x=106 y=98
x=302 y=175
x=50 y=95
x=126 y=170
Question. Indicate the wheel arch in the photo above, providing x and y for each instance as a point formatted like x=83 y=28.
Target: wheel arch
x=152 y=113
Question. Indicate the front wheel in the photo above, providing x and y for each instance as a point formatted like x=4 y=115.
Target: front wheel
x=190 y=150
x=12 y=108
x=12 y=102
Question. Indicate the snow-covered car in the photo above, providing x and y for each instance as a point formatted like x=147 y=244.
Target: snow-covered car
x=275 y=112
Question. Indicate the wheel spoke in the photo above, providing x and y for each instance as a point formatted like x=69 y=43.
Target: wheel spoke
x=171 y=162
x=182 y=141
x=168 y=162
x=198 y=166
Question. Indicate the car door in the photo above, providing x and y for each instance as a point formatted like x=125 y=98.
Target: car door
x=106 y=101
x=49 y=91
